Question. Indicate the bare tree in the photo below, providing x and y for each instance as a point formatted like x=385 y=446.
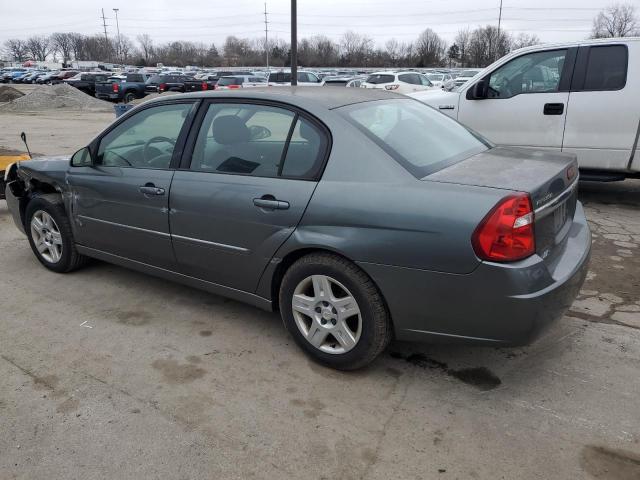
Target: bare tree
x=63 y=43
x=463 y=41
x=355 y=48
x=392 y=48
x=430 y=48
x=524 y=40
x=39 y=47
x=16 y=49
x=618 y=20
x=146 y=45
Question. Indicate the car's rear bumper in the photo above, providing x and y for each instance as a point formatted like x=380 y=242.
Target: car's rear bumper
x=500 y=304
x=107 y=96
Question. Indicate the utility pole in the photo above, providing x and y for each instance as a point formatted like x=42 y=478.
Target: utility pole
x=294 y=42
x=118 y=28
x=499 y=22
x=106 y=37
x=266 y=35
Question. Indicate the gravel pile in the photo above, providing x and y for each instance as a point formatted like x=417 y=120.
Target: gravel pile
x=8 y=94
x=56 y=96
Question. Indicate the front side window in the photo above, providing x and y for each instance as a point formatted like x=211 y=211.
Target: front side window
x=246 y=139
x=145 y=140
x=532 y=73
x=418 y=137
x=606 y=68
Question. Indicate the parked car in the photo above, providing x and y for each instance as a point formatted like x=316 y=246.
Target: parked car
x=86 y=81
x=63 y=75
x=399 y=82
x=47 y=77
x=581 y=97
x=439 y=79
x=166 y=83
x=11 y=74
x=240 y=81
x=125 y=89
x=289 y=199
x=337 y=81
x=283 y=79
x=461 y=78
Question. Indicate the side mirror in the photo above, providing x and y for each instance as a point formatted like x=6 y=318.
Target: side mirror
x=478 y=91
x=82 y=158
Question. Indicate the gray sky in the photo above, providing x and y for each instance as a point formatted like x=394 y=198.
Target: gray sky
x=164 y=20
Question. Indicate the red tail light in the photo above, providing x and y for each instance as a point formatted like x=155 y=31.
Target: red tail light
x=233 y=86
x=162 y=87
x=506 y=234
x=204 y=85
x=115 y=87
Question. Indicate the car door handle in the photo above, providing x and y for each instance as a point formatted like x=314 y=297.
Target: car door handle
x=553 y=108
x=151 y=189
x=270 y=203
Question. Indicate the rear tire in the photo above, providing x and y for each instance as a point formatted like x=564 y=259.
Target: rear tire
x=334 y=311
x=129 y=97
x=50 y=235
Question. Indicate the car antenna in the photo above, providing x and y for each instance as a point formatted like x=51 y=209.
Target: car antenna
x=23 y=136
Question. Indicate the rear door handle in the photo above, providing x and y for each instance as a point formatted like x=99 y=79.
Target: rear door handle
x=553 y=108
x=270 y=203
x=151 y=189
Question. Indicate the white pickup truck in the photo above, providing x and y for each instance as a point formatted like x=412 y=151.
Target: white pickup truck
x=581 y=97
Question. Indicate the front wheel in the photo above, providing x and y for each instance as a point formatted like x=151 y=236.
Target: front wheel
x=334 y=311
x=50 y=235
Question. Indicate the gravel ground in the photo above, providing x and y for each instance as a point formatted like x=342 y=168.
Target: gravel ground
x=51 y=97
x=108 y=373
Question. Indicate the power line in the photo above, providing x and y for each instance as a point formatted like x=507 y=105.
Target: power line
x=266 y=35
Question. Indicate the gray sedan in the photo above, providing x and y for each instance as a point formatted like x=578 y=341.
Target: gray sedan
x=360 y=215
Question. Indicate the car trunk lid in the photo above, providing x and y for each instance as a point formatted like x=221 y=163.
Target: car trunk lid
x=550 y=179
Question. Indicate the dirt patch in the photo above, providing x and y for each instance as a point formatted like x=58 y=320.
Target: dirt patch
x=610 y=464
x=7 y=94
x=176 y=373
x=54 y=97
x=133 y=317
x=206 y=333
x=69 y=405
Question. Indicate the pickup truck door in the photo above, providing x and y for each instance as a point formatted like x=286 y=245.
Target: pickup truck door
x=242 y=189
x=120 y=200
x=526 y=102
x=604 y=107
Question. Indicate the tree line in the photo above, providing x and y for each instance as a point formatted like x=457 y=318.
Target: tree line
x=471 y=47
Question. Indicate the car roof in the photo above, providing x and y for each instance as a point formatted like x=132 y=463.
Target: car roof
x=328 y=98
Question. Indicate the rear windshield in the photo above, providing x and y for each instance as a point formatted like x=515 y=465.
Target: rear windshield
x=418 y=137
x=375 y=79
x=229 y=81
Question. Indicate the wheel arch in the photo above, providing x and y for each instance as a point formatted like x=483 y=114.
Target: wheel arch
x=295 y=254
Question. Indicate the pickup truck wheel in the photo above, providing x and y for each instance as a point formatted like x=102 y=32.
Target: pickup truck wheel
x=129 y=97
x=334 y=311
x=50 y=235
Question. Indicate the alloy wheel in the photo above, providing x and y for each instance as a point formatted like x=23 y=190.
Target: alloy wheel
x=327 y=314
x=46 y=236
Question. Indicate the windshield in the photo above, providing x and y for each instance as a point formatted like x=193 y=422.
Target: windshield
x=418 y=137
x=378 y=78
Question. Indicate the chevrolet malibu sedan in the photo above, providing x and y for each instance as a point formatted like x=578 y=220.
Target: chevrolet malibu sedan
x=360 y=215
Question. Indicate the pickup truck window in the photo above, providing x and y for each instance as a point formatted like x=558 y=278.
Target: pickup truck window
x=606 y=68
x=537 y=72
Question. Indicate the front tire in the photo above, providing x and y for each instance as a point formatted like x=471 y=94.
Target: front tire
x=334 y=311
x=50 y=235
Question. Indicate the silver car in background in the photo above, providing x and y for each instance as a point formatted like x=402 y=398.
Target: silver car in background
x=361 y=215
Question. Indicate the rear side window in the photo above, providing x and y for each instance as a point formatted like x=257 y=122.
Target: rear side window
x=377 y=79
x=280 y=77
x=411 y=78
x=134 y=77
x=606 y=68
x=224 y=81
x=418 y=137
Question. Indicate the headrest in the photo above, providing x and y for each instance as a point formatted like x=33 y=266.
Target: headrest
x=308 y=132
x=229 y=130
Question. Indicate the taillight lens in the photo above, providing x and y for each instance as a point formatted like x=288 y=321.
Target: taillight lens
x=162 y=87
x=204 y=85
x=116 y=87
x=233 y=86
x=506 y=234
x=391 y=87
